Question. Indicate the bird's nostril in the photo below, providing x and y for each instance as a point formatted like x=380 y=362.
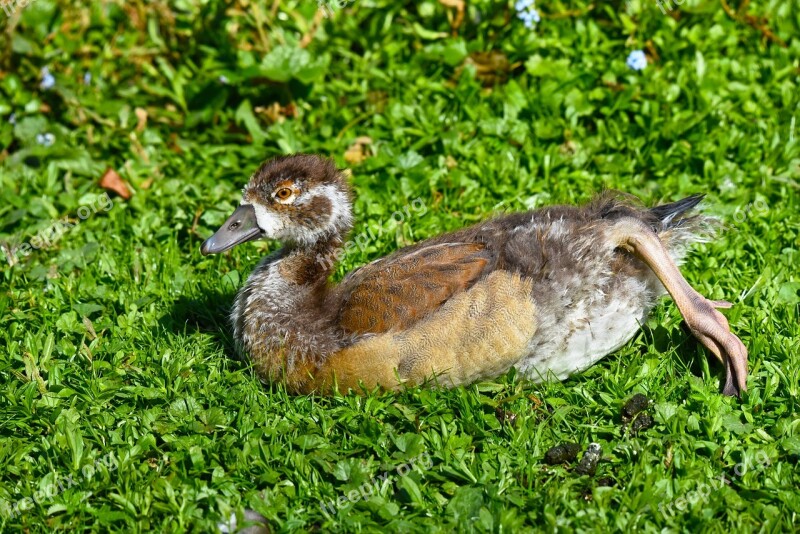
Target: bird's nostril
x=234 y=225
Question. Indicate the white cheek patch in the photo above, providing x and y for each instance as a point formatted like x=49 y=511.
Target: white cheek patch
x=269 y=222
x=341 y=212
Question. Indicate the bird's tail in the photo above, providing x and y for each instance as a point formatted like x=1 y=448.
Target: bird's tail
x=678 y=229
x=670 y=214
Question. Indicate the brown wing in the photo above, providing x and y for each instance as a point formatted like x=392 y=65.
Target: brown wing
x=395 y=292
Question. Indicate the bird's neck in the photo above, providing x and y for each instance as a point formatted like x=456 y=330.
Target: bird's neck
x=312 y=265
x=280 y=315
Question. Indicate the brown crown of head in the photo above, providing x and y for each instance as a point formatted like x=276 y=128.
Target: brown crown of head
x=302 y=172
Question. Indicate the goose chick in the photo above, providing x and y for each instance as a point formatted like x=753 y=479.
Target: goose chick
x=549 y=292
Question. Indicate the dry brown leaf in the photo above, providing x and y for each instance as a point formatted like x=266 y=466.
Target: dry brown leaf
x=535 y=400
x=273 y=112
x=458 y=5
x=87 y=323
x=359 y=150
x=277 y=113
x=111 y=181
x=652 y=52
x=290 y=110
x=617 y=87
x=309 y=36
x=138 y=149
x=354 y=155
x=141 y=119
x=173 y=143
x=568 y=148
x=490 y=67
x=759 y=23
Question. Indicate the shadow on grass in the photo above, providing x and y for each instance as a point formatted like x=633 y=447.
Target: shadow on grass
x=207 y=313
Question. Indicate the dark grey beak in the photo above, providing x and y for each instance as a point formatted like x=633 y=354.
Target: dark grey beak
x=240 y=227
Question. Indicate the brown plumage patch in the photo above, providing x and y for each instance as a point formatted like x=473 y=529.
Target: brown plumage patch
x=396 y=292
x=311 y=266
x=478 y=334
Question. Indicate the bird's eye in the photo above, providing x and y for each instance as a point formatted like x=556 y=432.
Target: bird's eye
x=234 y=225
x=284 y=194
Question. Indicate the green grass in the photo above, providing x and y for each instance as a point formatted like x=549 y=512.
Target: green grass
x=114 y=339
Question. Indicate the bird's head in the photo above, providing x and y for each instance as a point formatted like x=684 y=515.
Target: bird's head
x=299 y=199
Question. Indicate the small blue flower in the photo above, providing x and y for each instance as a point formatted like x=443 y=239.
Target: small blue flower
x=48 y=81
x=530 y=18
x=46 y=139
x=522 y=5
x=87 y=78
x=223 y=79
x=636 y=60
x=12 y=119
x=527 y=13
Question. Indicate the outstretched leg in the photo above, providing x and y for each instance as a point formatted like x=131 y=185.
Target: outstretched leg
x=706 y=323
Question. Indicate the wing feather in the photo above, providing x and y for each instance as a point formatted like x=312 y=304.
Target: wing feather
x=393 y=293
